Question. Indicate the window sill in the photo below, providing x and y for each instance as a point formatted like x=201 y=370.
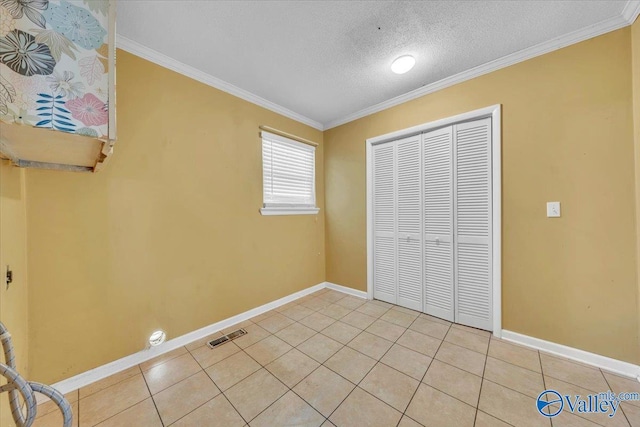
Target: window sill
x=289 y=211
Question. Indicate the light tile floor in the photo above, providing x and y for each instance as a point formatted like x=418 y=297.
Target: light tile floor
x=332 y=359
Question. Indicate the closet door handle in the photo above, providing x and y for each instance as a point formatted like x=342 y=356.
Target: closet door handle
x=437 y=241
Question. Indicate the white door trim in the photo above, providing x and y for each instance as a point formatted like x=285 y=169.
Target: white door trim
x=494 y=112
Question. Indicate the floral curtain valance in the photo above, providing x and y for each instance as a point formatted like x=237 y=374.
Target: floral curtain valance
x=54 y=64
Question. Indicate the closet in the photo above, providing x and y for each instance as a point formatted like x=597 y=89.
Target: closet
x=431 y=222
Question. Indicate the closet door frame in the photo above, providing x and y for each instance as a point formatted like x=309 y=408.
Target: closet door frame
x=494 y=112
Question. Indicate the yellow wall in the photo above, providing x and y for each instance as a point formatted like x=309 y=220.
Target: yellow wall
x=13 y=252
x=635 y=47
x=169 y=234
x=568 y=136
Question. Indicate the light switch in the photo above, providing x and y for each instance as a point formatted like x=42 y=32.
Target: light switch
x=553 y=209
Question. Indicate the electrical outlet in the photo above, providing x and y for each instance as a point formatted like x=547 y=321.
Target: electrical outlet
x=553 y=209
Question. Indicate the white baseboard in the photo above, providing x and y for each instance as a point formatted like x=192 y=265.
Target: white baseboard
x=346 y=290
x=613 y=365
x=93 y=375
x=89 y=377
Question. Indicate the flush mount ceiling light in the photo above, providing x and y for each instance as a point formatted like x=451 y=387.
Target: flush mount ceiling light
x=157 y=338
x=403 y=64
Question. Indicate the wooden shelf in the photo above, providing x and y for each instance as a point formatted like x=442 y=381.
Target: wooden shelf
x=27 y=146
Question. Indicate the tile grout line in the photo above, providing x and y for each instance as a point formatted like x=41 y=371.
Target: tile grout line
x=378 y=317
x=580 y=365
x=274 y=334
x=544 y=383
x=265 y=368
x=261 y=367
x=502 y=360
x=177 y=382
x=214 y=383
x=321 y=364
x=316 y=332
x=513 y=364
x=164 y=361
x=509 y=388
x=365 y=375
x=182 y=380
x=303 y=399
x=321 y=332
x=484 y=369
x=326 y=367
x=425 y=373
x=377 y=361
x=199 y=406
x=292 y=391
x=201 y=369
x=499 y=419
x=128 y=407
x=227 y=398
x=482 y=378
x=454 y=397
x=466 y=348
x=241 y=350
x=573 y=384
x=238 y=382
x=292 y=348
x=151 y=396
x=447 y=363
x=545 y=386
x=116 y=383
x=232 y=405
x=540 y=353
x=326 y=418
x=391 y=367
x=621 y=408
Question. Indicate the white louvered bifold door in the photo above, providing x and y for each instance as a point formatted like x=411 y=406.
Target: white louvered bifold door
x=409 y=217
x=384 y=222
x=438 y=223
x=472 y=207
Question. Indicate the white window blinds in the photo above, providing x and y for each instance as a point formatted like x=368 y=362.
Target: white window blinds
x=288 y=169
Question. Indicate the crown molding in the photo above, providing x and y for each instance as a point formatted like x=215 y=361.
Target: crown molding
x=627 y=17
x=631 y=11
x=163 y=60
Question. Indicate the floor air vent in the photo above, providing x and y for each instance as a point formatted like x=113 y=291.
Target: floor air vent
x=227 y=338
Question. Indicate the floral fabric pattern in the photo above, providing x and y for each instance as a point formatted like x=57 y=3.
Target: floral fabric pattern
x=58 y=44
x=77 y=24
x=20 y=52
x=7 y=94
x=89 y=110
x=54 y=60
x=7 y=23
x=64 y=86
x=29 y=8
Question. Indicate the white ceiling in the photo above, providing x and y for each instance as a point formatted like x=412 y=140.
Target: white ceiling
x=327 y=62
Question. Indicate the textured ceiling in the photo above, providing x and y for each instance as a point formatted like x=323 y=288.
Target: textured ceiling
x=327 y=60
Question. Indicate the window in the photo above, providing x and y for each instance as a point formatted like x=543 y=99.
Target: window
x=289 y=176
